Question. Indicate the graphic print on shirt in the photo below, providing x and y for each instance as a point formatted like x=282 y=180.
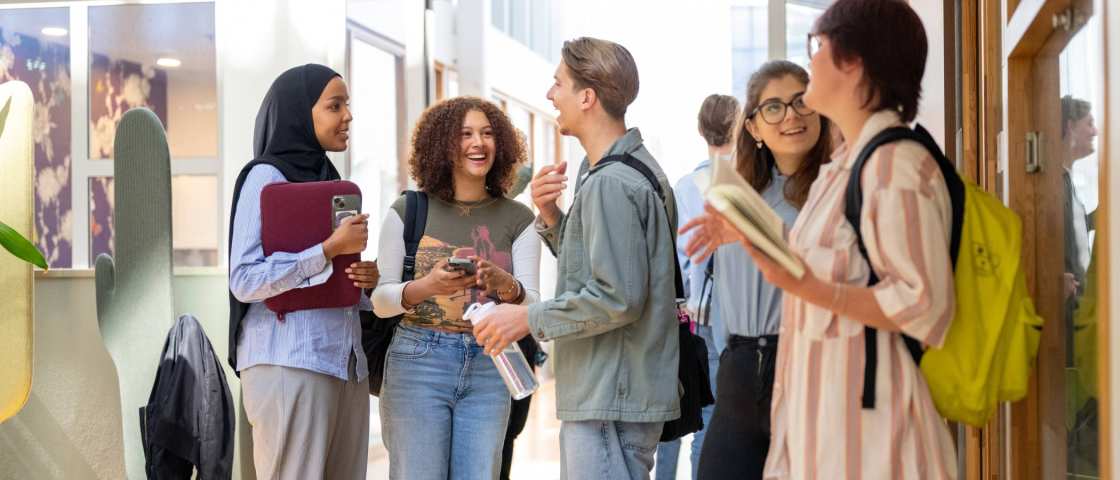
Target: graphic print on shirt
x=445 y=312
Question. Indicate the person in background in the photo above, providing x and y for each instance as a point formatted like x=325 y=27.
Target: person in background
x=780 y=146
x=304 y=379
x=716 y=122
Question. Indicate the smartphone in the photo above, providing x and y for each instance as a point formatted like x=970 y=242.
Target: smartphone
x=343 y=206
x=464 y=265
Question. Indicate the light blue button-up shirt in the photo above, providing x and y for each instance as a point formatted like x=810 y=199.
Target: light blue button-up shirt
x=690 y=204
x=740 y=286
x=319 y=340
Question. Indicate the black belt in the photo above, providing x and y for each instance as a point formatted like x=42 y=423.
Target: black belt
x=755 y=342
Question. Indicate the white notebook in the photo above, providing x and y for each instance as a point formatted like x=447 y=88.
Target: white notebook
x=745 y=208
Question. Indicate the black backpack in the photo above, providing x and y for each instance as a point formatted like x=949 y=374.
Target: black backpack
x=853 y=206
x=377 y=333
x=693 y=368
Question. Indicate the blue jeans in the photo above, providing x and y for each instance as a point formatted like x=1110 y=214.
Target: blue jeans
x=444 y=408
x=669 y=452
x=595 y=449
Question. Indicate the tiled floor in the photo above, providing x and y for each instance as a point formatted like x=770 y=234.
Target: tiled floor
x=537 y=453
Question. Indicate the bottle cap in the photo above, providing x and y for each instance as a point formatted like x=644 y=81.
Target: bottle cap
x=477 y=311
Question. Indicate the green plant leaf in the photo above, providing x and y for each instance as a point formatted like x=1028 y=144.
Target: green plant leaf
x=4 y=114
x=20 y=247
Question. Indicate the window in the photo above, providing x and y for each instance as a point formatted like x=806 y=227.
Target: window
x=527 y=22
x=800 y=16
x=539 y=132
x=377 y=94
x=447 y=82
x=748 y=42
x=754 y=26
x=160 y=57
x=35 y=49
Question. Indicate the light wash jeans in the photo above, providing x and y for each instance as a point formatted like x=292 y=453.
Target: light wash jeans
x=444 y=407
x=596 y=449
x=668 y=452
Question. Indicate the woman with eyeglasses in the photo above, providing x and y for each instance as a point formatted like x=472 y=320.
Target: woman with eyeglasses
x=780 y=145
x=868 y=57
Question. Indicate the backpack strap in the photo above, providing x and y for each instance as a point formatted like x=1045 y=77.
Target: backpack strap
x=853 y=205
x=415 y=220
x=706 y=291
x=630 y=161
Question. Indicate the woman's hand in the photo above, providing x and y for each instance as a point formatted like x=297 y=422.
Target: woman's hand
x=709 y=231
x=714 y=230
x=350 y=237
x=494 y=281
x=364 y=274
x=776 y=274
x=444 y=281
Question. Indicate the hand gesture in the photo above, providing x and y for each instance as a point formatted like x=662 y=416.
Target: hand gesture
x=547 y=186
x=709 y=232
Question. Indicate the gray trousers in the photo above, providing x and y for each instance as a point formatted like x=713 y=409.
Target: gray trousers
x=306 y=425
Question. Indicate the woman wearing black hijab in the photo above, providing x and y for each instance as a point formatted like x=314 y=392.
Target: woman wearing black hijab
x=304 y=379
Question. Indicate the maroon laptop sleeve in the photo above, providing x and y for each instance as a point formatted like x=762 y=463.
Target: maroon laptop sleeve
x=294 y=217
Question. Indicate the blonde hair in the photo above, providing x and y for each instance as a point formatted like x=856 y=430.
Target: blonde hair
x=605 y=67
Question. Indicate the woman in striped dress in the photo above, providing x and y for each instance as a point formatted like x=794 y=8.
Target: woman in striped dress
x=866 y=60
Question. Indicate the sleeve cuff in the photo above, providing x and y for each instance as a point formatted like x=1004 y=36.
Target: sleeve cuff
x=546 y=232
x=312 y=262
x=542 y=329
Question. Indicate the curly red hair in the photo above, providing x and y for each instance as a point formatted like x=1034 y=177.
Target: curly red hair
x=435 y=146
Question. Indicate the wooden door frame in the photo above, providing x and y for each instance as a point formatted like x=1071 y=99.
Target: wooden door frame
x=1031 y=44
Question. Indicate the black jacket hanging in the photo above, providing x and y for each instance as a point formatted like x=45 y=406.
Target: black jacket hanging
x=189 y=420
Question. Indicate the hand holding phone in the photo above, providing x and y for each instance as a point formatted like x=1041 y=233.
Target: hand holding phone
x=464 y=265
x=343 y=206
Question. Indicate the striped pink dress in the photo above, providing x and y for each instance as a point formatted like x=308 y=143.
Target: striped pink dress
x=819 y=430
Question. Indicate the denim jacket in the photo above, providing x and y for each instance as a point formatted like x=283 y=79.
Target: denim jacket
x=614 y=315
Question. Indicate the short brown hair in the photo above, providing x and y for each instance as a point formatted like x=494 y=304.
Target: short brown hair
x=755 y=163
x=435 y=146
x=605 y=67
x=888 y=37
x=1073 y=109
x=717 y=119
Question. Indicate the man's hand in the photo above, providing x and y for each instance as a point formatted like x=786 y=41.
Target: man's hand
x=503 y=325
x=547 y=187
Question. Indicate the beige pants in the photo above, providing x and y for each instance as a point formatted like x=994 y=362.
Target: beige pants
x=306 y=425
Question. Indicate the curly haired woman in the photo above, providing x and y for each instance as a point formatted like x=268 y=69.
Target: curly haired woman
x=444 y=407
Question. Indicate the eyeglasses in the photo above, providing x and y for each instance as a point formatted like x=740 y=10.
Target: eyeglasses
x=774 y=111
x=813 y=45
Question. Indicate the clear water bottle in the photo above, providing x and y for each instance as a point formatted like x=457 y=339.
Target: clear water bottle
x=511 y=363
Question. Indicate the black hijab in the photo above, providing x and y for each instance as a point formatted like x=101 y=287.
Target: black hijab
x=284 y=137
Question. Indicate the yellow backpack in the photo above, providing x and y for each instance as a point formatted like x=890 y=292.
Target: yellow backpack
x=993 y=339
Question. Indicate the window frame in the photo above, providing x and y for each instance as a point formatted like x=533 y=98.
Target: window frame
x=82 y=167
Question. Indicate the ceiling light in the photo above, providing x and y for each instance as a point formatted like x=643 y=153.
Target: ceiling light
x=54 y=31
x=168 y=62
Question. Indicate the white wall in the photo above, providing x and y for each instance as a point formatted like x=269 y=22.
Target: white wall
x=71 y=425
x=931 y=110
x=683 y=54
x=251 y=54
